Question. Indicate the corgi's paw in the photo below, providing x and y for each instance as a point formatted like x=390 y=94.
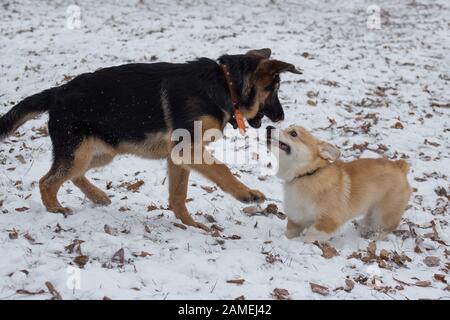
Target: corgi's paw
x=312 y=235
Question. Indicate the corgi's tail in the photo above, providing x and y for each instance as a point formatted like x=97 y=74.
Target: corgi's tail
x=403 y=165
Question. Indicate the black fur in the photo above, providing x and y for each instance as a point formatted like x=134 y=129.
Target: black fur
x=124 y=103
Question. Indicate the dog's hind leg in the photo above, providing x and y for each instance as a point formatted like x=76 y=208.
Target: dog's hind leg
x=390 y=209
x=178 y=183
x=93 y=193
x=71 y=159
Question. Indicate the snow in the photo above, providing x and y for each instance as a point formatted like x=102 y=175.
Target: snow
x=343 y=61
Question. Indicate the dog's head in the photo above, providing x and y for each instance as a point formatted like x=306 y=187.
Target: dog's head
x=257 y=79
x=299 y=152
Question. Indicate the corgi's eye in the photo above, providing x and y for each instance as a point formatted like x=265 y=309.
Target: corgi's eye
x=293 y=133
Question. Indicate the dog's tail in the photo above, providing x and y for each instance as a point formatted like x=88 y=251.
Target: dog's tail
x=25 y=110
x=403 y=165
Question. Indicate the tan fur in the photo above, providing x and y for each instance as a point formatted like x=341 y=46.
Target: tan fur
x=93 y=153
x=339 y=191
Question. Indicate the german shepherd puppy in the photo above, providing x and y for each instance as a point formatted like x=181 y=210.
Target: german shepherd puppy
x=133 y=108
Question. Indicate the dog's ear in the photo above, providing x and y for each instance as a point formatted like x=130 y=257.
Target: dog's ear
x=328 y=152
x=273 y=67
x=261 y=53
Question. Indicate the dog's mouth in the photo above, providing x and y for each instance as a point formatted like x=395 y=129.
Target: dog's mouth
x=255 y=122
x=281 y=145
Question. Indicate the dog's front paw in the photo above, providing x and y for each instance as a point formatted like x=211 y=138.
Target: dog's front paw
x=312 y=235
x=250 y=195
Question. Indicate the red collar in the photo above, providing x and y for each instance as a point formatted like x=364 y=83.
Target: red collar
x=234 y=99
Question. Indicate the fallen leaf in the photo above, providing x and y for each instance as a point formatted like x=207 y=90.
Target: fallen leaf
x=440 y=277
x=22 y=209
x=372 y=248
x=271 y=209
x=135 y=186
x=21 y=159
x=141 y=254
x=432 y=261
x=280 y=294
x=51 y=288
x=81 y=260
x=349 y=285
x=317 y=288
x=152 y=207
x=236 y=281
x=31 y=293
x=110 y=230
x=180 y=225
x=210 y=218
x=74 y=245
x=119 y=256
x=13 y=234
x=208 y=189
x=252 y=210
x=233 y=237
x=384 y=254
x=423 y=283
x=397 y=125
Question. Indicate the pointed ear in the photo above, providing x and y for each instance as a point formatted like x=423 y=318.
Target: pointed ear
x=261 y=53
x=328 y=152
x=276 y=66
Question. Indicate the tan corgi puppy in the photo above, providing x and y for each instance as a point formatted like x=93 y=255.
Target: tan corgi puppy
x=321 y=194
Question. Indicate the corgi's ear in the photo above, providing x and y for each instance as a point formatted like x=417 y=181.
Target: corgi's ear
x=328 y=152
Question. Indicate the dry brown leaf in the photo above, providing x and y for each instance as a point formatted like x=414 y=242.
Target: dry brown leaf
x=21 y=159
x=440 y=277
x=236 y=281
x=233 y=237
x=397 y=125
x=328 y=251
x=13 y=234
x=384 y=254
x=372 y=249
x=180 y=225
x=135 y=186
x=349 y=285
x=22 y=209
x=152 y=207
x=81 y=260
x=280 y=294
x=317 y=288
x=208 y=189
x=431 y=261
x=271 y=209
x=51 y=288
x=31 y=293
x=119 y=256
x=110 y=230
x=423 y=283
x=74 y=245
x=142 y=254
x=252 y=210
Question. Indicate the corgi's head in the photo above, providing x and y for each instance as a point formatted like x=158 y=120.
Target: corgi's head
x=299 y=152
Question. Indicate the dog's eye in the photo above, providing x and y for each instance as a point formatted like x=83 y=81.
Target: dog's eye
x=293 y=133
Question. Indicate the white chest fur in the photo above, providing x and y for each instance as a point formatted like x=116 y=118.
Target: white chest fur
x=299 y=208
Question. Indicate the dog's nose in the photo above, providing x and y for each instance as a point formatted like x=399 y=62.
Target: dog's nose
x=269 y=130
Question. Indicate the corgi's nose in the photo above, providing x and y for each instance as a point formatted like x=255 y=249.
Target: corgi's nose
x=269 y=130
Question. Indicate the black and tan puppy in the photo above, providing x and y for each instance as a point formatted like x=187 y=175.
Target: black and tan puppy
x=134 y=108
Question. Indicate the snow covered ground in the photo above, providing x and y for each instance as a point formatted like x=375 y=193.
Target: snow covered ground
x=373 y=92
